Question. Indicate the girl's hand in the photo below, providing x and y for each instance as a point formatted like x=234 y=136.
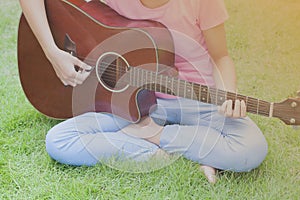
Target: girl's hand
x=238 y=111
x=64 y=67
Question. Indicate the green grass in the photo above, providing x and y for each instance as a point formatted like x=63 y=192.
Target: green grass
x=264 y=41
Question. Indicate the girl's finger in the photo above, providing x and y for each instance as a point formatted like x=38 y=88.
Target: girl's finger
x=229 y=111
x=243 y=109
x=237 y=109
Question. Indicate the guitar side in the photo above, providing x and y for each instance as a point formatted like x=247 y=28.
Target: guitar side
x=81 y=22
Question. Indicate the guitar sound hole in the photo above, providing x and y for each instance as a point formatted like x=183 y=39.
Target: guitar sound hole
x=111 y=71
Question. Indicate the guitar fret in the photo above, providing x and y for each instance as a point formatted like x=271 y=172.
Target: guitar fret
x=172 y=86
x=150 y=85
x=264 y=108
x=184 y=89
x=153 y=74
x=252 y=105
x=204 y=94
x=189 y=91
x=271 y=110
x=207 y=95
x=212 y=95
x=130 y=76
x=149 y=75
x=209 y=100
x=134 y=77
x=160 y=83
x=157 y=84
x=150 y=80
x=166 y=85
x=143 y=78
x=192 y=91
x=178 y=87
x=162 y=87
x=170 y=89
x=138 y=77
x=181 y=89
x=197 y=91
x=257 y=109
x=222 y=96
x=153 y=81
x=146 y=85
x=142 y=83
x=217 y=91
x=200 y=93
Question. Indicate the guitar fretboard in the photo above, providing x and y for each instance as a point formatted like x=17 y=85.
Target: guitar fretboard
x=173 y=86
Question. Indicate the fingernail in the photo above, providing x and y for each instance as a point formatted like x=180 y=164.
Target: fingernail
x=90 y=68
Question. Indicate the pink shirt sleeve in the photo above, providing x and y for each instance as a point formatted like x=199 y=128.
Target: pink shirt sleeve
x=211 y=13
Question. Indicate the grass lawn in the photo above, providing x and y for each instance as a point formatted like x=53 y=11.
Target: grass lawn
x=264 y=41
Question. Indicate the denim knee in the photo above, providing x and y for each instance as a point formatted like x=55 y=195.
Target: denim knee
x=66 y=148
x=251 y=155
x=53 y=147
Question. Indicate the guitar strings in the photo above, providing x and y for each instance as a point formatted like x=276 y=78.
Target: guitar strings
x=264 y=107
x=254 y=106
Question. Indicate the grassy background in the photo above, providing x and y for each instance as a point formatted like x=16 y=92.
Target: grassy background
x=264 y=41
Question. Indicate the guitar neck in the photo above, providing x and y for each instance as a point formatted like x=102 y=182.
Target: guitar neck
x=173 y=86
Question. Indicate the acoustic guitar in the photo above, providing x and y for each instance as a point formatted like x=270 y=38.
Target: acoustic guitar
x=130 y=60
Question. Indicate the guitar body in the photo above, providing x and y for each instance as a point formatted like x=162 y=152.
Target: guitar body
x=131 y=61
x=95 y=29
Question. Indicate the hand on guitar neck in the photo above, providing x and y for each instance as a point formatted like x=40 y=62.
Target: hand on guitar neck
x=236 y=109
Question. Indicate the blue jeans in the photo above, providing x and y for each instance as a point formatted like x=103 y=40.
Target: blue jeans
x=192 y=129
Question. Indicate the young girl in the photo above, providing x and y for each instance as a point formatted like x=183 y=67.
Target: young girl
x=221 y=138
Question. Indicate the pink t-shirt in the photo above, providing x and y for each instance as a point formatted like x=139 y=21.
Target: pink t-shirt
x=185 y=19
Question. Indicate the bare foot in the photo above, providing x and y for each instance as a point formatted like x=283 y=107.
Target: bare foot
x=209 y=172
x=160 y=153
x=146 y=129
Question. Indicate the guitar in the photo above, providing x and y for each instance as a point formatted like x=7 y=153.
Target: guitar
x=123 y=80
